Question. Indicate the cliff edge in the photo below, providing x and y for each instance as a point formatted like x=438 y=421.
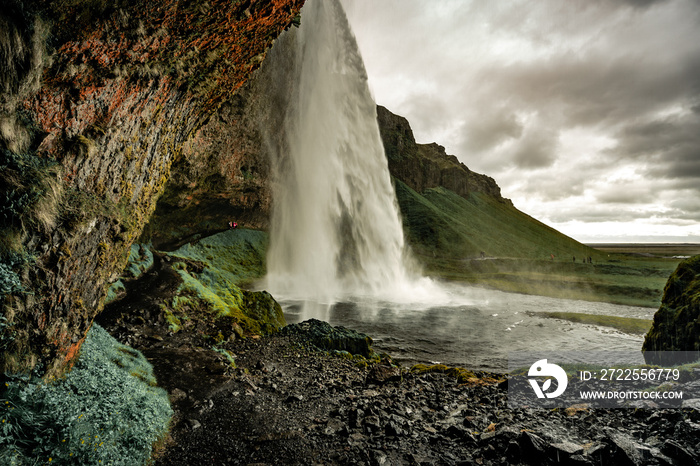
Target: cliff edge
x=424 y=166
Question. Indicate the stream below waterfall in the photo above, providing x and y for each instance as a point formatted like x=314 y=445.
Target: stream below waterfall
x=477 y=328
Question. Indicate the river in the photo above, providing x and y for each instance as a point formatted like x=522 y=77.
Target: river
x=477 y=328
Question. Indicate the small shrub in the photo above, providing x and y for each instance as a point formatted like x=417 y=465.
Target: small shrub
x=9 y=280
x=107 y=410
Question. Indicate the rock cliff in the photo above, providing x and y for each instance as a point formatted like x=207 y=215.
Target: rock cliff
x=676 y=324
x=99 y=100
x=424 y=166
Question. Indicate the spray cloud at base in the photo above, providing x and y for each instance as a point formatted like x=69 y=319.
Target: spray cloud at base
x=335 y=230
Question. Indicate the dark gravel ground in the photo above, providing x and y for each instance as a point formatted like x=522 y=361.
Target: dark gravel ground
x=287 y=404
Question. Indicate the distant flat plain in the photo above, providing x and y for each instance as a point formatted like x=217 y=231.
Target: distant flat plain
x=632 y=274
x=666 y=250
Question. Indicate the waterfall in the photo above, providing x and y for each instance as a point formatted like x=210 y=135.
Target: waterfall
x=335 y=226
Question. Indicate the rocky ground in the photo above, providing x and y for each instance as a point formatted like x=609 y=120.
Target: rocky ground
x=286 y=403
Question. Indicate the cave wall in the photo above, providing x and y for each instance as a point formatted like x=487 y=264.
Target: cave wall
x=100 y=98
x=226 y=170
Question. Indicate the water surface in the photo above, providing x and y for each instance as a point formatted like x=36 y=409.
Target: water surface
x=475 y=328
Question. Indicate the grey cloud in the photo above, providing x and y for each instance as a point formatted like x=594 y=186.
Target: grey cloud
x=489 y=129
x=625 y=193
x=536 y=149
x=687 y=208
x=594 y=214
x=671 y=145
x=428 y=112
x=553 y=188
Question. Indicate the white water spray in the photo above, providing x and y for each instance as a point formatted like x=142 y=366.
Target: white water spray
x=335 y=230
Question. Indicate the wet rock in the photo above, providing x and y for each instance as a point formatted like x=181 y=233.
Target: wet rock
x=532 y=445
x=381 y=374
x=334 y=427
x=177 y=395
x=372 y=422
x=193 y=424
x=567 y=448
x=326 y=337
x=626 y=450
x=678 y=452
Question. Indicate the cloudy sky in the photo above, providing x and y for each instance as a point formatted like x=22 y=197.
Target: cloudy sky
x=586 y=112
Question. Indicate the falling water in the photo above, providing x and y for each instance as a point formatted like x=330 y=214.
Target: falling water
x=335 y=229
x=336 y=245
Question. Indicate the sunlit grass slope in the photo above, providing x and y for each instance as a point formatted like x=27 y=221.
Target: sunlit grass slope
x=448 y=233
x=443 y=223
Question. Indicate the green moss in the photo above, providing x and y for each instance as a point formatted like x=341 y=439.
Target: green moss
x=676 y=324
x=224 y=261
x=114 y=291
x=140 y=260
x=624 y=324
x=107 y=410
x=174 y=322
x=227 y=354
x=240 y=253
x=461 y=374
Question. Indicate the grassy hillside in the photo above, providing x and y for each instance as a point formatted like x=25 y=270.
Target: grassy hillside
x=441 y=222
x=448 y=233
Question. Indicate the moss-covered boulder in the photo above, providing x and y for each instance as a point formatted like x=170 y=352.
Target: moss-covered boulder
x=677 y=322
x=213 y=270
x=107 y=410
x=326 y=337
x=262 y=307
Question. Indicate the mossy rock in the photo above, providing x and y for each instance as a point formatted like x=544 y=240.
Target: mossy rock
x=676 y=324
x=461 y=374
x=212 y=269
x=262 y=307
x=329 y=338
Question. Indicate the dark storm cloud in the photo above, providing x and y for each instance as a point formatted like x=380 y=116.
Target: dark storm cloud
x=670 y=146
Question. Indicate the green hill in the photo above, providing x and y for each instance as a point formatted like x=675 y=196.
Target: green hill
x=438 y=222
x=461 y=228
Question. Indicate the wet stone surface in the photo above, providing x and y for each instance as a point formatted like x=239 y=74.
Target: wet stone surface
x=287 y=403
x=284 y=404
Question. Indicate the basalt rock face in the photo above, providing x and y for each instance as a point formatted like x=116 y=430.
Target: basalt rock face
x=676 y=324
x=225 y=172
x=99 y=100
x=424 y=166
x=222 y=176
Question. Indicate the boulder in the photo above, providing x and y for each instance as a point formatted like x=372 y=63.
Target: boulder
x=326 y=337
x=676 y=324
